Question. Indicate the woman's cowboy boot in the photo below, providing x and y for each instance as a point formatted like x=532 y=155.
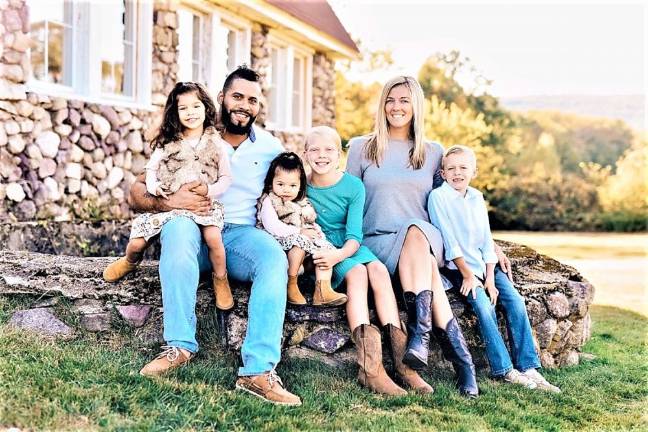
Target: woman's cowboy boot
x=324 y=295
x=455 y=350
x=294 y=295
x=223 y=293
x=419 y=324
x=372 y=373
x=408 y=376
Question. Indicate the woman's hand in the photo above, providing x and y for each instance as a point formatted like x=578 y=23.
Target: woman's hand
x=504 y=262
x=470 y=285
x=326 y=259
x=493 y=293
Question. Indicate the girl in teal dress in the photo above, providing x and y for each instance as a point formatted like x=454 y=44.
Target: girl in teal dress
x=338 y=199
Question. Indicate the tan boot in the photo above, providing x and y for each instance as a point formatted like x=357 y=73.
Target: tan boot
x=294 y=295
x=372 y=373
x=169 y=358
x=222 y=292
x=268 y=387
x=325 y=296
x=118 y=269
x=410 y=378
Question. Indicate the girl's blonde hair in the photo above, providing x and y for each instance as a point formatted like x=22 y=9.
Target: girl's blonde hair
x=325 y=132
x=377 y=143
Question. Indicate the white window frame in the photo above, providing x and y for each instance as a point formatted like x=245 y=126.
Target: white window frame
x=202 y=64
x=222 y=23
x=86 y=63
x=288 y=51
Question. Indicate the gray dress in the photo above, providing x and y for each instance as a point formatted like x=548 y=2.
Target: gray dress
x=396 y=198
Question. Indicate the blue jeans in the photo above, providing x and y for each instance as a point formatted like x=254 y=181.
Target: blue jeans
x=252 y=255
x=517 y=324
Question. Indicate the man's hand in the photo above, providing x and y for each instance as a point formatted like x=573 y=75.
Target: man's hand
x=326 y=259
x=201 y=189
x=504 y=262
x=489 y=286
x=186 y=198
x=470 y=285
x=161 y=193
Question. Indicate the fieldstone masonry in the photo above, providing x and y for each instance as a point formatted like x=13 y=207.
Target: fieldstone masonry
x=557 y=296
x=67 y=159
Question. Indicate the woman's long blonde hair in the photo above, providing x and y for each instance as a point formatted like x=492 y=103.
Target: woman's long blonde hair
x=378 y=139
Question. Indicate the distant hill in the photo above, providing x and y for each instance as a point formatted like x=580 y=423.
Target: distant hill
x=629 y=108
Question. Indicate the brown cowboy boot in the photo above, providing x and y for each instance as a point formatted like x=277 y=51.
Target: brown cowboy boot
x=325 y=296
x=118 y=269
x=222 y=292
x=169 y=358
x=294 y=294
x=408 y=376
x=372 y=374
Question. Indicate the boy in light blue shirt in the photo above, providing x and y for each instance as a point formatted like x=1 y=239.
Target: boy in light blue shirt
x=459 y=212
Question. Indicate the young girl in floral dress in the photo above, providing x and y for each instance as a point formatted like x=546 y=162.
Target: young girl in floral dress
x=187 y=149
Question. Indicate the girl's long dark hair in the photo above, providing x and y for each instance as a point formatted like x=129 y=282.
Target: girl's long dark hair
x=171 y=128
x=287 y=161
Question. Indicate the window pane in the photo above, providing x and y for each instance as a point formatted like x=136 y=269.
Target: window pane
x=51 y=33
x=231 y=50
x=298 y=79
x=197 y=36
x=117 y=51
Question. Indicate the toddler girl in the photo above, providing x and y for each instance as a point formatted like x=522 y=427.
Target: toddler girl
x=284 y=211
x=187 y=149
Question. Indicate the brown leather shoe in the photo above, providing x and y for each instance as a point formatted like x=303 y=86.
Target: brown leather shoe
x=169 y=358
x=268 y=387
x=324 y=295
x=372 y=372
x=294 y=294
x=222 y=292
x=118 y=269
x=408 y=376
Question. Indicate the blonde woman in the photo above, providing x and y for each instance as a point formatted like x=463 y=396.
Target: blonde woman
x=399 y=168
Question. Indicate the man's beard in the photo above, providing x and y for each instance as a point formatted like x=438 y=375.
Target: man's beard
x=235 y=129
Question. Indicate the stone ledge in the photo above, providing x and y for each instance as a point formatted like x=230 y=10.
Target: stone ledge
x=557 y=299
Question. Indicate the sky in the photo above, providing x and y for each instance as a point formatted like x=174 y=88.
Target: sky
x=526 y=49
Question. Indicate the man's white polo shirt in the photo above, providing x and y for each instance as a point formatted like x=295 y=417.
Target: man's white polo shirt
x=249 y=163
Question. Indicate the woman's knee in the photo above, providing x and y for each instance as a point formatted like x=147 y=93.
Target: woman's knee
x=416 y=237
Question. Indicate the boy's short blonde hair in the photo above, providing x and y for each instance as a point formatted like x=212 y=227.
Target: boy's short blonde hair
x=325 y=132
x=459 y=149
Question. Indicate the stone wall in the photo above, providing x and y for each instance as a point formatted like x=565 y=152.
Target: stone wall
x=557 y=297
x=63 y=159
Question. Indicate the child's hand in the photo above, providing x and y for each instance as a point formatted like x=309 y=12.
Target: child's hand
x=326 y=259
x=489 y=286
x=201 y=189
x=470 y=285
x=310 y=233
x=161 y=193
x=308 y=214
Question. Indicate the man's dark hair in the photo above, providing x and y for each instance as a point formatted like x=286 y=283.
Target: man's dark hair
x=241 y=72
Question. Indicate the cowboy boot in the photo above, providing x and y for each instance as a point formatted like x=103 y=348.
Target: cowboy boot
x=455 y=350
x=372 y=373
x=222 y=292
x=408 y=376
x=294 y=294
x=419 y=324
x=325 y=296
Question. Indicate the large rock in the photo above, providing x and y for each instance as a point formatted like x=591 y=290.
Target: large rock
x=41 y=321
x=538 y=278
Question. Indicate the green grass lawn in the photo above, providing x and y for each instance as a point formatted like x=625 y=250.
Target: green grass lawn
x=86 y=384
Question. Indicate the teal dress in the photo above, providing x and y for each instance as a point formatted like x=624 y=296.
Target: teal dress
x=339 y=210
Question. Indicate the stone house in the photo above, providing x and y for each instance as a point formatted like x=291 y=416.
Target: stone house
x=82 y=84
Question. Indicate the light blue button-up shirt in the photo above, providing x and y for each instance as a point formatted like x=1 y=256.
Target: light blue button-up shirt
x=249 y=164
x=463 y=222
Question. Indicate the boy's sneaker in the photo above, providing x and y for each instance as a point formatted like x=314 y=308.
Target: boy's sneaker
x=540 y=381
x=267 y=386
x=514 y=376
